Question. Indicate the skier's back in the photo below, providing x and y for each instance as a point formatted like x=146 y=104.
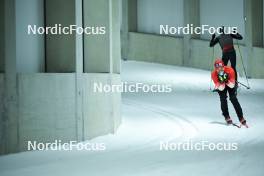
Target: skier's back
x=227 y=45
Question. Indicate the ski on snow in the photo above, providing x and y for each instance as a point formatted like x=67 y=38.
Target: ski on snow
x=238 y=126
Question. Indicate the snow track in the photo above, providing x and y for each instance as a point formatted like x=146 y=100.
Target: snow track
x=190 y=112
x=187 y=128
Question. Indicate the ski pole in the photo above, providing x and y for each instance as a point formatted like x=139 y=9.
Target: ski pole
x=243 y=85
x=248 y=87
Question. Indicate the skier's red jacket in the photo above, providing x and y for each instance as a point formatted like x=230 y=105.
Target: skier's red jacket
x=230 y=82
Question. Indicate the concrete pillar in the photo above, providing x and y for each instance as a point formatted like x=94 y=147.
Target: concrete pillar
x=124 y=30
x=115 y=39
x=129 y=23
x=191 y=16
x=30 y=48
x=9 y=141
x=84 y=121
x=101 y=53
x=248 y=35
x=2 y=35
x=2 y=57
x=257 y=23
x=101 y=65
x=60 y=49
x=79 y=72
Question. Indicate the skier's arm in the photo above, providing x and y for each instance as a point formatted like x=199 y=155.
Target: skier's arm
x=218 y=85
x=237 y=36
x=214 y=40
x=232 y=78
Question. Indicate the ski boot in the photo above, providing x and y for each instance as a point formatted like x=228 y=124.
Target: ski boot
x=228 y=120
x=243 y=122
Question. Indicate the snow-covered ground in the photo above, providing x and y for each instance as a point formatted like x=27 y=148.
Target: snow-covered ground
x=190 y=112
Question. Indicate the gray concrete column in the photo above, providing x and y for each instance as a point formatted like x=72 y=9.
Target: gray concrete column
x=124 y=30
x=102 y=57
x=9 y=141
x=2 y=35
x=248 y=35
x=129 y=23
x=257 y=23
x=115 y=38
x=30 y=48
x=79 y=72
x=102 y=51
x=191 y=16
x=60 y=49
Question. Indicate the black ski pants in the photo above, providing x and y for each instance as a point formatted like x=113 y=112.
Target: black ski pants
x=233 y=98
x=230 y=56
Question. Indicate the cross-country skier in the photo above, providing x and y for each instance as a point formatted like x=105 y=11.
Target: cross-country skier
x=226 y=43
x=224 y=80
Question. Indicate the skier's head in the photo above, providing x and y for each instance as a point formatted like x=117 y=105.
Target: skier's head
x=219 y=64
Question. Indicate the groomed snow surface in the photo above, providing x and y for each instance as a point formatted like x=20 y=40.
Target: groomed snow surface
x=191 y=112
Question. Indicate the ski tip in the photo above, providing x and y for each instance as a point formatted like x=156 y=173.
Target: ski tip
x=245 y=125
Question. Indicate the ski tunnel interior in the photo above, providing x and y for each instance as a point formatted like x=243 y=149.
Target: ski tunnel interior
x=47 y=86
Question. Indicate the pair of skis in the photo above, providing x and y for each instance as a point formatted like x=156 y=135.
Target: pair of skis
x=238 y=126
x=242 y=123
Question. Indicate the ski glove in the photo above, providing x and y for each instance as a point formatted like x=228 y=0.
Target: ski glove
x=222 y=77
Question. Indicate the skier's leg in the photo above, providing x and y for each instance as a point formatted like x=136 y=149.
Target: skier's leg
x=232 y=56
x=225 y=58
x=236 y=104
x=223 y=101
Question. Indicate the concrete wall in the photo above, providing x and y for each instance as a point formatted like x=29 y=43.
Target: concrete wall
x=2 y=36
x=60 y=49
x=154 y=48
x=62 y=106
x=169 y=50
x=101 y=110
x=194 y=51
x=30 y=48
x=46 y=107
x=153 y=13
x=132 y=15
x=257 y=63
x=225 y=12
x=203 y=56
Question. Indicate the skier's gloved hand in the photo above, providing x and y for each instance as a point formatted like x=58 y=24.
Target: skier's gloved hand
x=222 y=77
